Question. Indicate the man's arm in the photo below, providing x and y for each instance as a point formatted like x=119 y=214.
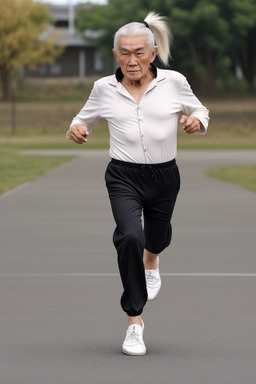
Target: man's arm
x=196 y=115
x=81 y=126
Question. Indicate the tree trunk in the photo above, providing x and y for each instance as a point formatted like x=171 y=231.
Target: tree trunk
x=247 y=60
x=13 y=113
x=5 y=80
x=210 y=71
x=195 y=80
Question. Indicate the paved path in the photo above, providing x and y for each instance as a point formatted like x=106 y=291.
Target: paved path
x=61 y=322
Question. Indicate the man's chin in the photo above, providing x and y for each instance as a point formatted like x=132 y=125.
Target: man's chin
x=136 y=75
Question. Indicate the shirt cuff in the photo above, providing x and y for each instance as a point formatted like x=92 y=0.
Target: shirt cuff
x=68 y=134
x=203 y=129
x=203 y=123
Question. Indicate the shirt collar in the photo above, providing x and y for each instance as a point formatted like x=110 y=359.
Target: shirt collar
x=158 y=74
x=119 y=73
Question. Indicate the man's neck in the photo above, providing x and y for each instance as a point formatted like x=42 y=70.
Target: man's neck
x=120 y=76
x=145 y=80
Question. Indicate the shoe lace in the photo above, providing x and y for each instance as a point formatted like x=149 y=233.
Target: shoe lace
x=135 y=336
x=150 y=280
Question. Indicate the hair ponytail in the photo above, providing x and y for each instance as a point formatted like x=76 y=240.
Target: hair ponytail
x=162 y=34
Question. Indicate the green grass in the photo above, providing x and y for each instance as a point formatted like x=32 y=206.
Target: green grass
x=245 y=175
x=16 y=169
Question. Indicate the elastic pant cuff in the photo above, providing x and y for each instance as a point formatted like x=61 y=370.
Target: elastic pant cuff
x=133 y=314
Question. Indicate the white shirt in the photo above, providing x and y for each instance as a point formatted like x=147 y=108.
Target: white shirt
x=145 y=132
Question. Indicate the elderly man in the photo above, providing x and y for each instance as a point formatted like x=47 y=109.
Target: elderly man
x=141 y=105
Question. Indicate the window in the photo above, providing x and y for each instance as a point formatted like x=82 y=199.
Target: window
x=55 y=69
x=42 y=69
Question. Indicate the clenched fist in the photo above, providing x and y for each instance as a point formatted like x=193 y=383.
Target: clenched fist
x=78 y=134
x=191 y=124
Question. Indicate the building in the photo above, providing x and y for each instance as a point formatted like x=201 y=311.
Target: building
x=80 y=58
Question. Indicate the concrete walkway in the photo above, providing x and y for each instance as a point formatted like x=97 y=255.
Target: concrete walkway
x=61 y=322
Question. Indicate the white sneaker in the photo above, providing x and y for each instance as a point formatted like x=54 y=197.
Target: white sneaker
x=133 y=343
x=153 y=281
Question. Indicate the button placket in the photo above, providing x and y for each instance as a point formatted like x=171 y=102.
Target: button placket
x=139 y=123
x=140 y=130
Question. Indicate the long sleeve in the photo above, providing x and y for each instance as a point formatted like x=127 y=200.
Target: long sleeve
x=89 y=115
x=191 y=106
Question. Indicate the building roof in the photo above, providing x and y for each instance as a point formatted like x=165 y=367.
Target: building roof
x=64 y=37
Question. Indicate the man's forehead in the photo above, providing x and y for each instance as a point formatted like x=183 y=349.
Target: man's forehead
x=133 y=42
x=128 y=48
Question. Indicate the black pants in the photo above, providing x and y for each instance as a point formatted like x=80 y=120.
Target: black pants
x=133 y=189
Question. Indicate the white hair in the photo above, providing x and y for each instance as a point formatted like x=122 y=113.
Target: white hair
x=157 y=32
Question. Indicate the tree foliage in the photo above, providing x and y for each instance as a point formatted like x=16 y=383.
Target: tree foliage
x=21 y=22
x=211 y=37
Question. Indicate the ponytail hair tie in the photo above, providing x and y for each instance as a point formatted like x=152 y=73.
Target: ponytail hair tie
x=146 y=24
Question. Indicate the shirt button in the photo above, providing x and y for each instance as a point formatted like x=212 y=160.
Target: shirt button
x=145 y=150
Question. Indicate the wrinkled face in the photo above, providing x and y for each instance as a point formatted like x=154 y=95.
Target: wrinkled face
x=134 y=56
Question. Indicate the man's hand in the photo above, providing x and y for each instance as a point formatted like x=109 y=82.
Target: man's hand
x=191 y=124
x=79 y=134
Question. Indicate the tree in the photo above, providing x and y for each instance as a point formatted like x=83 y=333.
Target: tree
x=203 y=32
x=21 y=22
x=242 y=47
x=219 y=35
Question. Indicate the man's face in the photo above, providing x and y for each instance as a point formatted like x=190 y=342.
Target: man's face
x=134 y=56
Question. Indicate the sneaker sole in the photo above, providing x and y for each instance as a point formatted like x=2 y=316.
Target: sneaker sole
x=134 y=354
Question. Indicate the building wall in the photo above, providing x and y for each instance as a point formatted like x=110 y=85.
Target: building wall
x=66 y=65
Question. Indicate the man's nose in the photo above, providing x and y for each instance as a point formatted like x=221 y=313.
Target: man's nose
x=133 y=60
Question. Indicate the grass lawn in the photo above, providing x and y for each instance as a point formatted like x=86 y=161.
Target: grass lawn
x=16 y=169
x=245 y=175
x=44 y=111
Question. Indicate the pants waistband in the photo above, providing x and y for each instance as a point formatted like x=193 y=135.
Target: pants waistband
x=143 y=166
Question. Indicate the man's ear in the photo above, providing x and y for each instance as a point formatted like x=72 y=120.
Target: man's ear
x=115 y=54
x=154 y=53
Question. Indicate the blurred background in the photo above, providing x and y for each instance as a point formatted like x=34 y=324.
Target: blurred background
x=52 y=51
